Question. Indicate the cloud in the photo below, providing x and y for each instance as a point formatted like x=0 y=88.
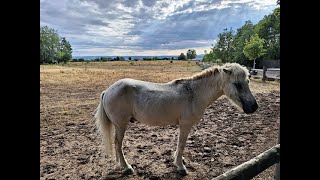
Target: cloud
x=146 y=26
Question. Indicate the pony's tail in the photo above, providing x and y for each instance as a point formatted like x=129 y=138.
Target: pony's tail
x=105 y=127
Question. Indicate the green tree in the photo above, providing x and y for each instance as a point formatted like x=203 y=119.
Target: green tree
x=223 y=48
x=49 y=44
x=182 y=57
x=243 y=34
x=129 y=58
x=210 y=57
x=253 y=48
x=229 y=46
x=65 y=51
x=191 y=54
x=269 y=29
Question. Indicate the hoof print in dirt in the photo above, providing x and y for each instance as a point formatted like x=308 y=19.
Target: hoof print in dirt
x=207 y=149
x=83 y=160
x=140 y=172
x=70 y=124
x=153 y=177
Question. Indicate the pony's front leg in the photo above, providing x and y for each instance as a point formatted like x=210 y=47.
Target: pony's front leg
x=175 y=155
x=184 y=131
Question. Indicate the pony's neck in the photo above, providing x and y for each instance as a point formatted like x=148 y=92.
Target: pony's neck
x=207 y=90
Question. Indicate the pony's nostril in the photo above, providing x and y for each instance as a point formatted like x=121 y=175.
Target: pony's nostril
x=254 y=106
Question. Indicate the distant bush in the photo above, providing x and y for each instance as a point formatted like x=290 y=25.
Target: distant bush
x=118 y=59
x=103 y=59
x=77 y=60
x=147 y=58
x=182 y=57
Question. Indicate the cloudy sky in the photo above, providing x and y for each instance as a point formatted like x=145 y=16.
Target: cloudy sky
x=147 y=27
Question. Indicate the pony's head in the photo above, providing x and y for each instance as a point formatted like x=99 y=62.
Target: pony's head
x=236 y=87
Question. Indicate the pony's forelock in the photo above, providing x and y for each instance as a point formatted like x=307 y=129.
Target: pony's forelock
x=238 y=72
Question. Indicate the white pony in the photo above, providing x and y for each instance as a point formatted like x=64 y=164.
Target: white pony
x=179 y=102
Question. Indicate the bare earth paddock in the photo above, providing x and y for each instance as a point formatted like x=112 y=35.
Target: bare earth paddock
x=71 y=147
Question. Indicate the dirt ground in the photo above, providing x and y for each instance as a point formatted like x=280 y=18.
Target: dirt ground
x=223 y=139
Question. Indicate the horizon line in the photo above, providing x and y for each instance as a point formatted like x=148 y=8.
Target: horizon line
x=130 y=55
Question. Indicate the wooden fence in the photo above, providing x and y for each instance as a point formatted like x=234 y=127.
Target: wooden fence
x=266 y=73
x=253 y=167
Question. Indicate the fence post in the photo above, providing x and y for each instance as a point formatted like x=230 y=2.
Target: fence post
x=264 y=77
x=277 y=169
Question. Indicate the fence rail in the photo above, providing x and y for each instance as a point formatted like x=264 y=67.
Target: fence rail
x=267 y=73
x=253 y=167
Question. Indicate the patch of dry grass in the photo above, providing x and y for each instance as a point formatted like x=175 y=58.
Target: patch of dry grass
x=71 y=92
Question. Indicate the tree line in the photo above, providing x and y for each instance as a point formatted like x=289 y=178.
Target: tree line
x=249 y=43
x=53 y=48
x=191 y=54
x=120 y=58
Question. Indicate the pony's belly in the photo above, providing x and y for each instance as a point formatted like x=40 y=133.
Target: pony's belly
x=156 y=121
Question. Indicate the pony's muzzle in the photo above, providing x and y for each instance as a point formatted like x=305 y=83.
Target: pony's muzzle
x=250 y=108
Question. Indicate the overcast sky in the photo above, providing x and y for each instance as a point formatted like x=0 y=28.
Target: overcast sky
x=147 y=27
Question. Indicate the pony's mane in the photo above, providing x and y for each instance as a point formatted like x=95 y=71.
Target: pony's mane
x=238 y=72
x=203 y=74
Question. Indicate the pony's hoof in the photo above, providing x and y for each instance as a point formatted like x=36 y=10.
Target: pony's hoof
x=183 y=172
x=128 y=170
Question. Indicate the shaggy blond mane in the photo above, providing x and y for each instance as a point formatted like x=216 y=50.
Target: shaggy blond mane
x=238 y=72
x=205 y=73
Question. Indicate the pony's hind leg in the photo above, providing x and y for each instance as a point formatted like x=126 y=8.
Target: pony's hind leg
x=178 y=161
x=119 y=135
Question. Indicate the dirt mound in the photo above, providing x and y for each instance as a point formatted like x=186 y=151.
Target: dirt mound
x=224 y=138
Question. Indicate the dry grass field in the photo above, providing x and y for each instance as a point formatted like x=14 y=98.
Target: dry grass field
x=70 y=146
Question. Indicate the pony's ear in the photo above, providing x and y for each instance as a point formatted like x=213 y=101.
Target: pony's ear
x=216 y=71
x=228 y=71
